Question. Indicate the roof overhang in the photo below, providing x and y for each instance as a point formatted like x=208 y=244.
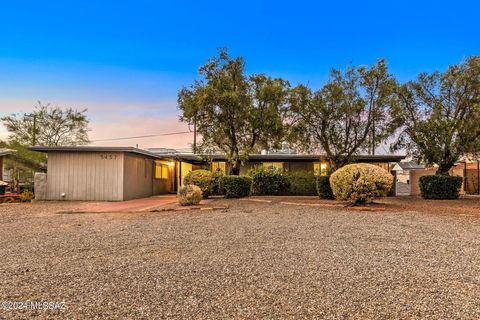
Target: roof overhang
x=97 y=149
x=281 y=157
x=6 y=152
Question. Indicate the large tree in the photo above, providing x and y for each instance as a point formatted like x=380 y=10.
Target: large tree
x=347 y=115
x=234 y=113
x=48 y=126
x=439 y=114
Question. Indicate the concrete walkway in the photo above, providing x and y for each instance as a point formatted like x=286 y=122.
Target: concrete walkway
x=143 y=204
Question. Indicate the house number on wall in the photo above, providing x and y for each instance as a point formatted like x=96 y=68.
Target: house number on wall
x=108 y=156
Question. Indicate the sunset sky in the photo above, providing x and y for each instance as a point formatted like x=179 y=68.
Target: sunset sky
x=126 y=62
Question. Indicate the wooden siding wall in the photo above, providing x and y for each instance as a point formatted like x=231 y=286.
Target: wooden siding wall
x=139 y=177
x=85 y=176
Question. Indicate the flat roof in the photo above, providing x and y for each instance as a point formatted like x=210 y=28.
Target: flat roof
x=6 y=152
x=214 y=157
x=96 y=149
x=281 y=157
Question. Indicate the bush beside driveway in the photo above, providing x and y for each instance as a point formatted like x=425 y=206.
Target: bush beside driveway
x=253 y=260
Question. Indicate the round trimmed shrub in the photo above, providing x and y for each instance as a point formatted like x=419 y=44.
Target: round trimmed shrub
x=189 y=195
x=236 y=186
x=360 y=183
x=440 y=187
x=269 y=182
x=202 y=179
x=302 y=183
x=324 y=190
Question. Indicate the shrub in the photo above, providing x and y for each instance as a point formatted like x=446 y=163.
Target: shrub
x=202 y=179
x=26 y=196
x=269 y=182
x=236 y=186
x=440 y=187
x=217 y=183
x=189 y=195
x=302 y=183
x=324 y=190
x=361 y=182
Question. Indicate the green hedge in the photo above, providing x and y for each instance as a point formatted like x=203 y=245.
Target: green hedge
x=302 y=183
x=269 y=182
x=236 y=186
x=324 y=190
x=202 y=179
x=216 y=187
x=440 y=187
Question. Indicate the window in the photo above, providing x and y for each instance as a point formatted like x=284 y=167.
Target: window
x=320 y=168
x=273 y=165
x=161 y=170
x=219 y=166
x=384 y=165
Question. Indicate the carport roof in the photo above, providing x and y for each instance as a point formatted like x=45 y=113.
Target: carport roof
x=95 y=149
x=6 y=152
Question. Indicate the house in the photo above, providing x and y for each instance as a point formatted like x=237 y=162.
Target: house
x=103 y=173
x=3 y=154
x=17 y=168
x=123 y=173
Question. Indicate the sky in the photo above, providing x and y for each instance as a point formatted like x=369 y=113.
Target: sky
x=126 y=60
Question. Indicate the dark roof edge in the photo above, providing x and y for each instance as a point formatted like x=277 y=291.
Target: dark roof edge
x=95 y=149
x=282 y=157
x=197 y=157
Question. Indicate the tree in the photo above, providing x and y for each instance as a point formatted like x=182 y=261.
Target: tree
x=439 y=114
x=234 y=113
x=347 y=115
x=48 y=126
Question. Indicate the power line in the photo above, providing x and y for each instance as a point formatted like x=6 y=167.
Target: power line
x=146 y=136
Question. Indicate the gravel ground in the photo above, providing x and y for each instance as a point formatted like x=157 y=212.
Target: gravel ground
x=253 y=260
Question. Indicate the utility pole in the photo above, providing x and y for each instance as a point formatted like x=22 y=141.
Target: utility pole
x=34 y=133
x=195 y=135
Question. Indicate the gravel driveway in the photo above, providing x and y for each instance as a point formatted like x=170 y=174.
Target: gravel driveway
x=254 y=260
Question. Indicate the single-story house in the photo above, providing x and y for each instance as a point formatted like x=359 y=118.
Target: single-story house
x=123 y=173
x=3 y=154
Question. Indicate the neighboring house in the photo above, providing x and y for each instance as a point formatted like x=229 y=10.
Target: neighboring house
x=3 y=154
x=17 y=169
x=123 y=173
x=403 y=182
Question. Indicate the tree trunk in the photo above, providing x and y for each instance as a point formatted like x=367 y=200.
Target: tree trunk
x=236 y=168
x=443 y=168
x=333 y=165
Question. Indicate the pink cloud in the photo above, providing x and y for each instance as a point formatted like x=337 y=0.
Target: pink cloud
x=128 y=126
x=119 y=119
